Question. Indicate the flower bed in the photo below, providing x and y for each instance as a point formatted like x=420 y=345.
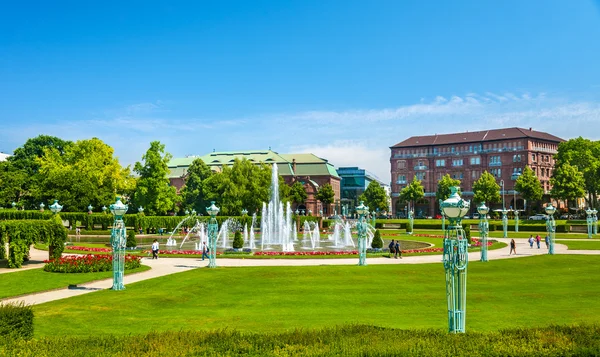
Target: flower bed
x=347 y=252
x=88 y=249
x=475 y=242
x=88 y=263
x=180 y=252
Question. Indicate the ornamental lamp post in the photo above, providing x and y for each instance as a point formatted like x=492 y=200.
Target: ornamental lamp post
x=550 y=226
x=411 y=220
x=595 y=219
x=589 y=221
x=13 y=204
x=483 y=230
x=104 y=209
x=55 y=207
x=213 y=229
x=516 y=220
x=118 y=240
x=373 y=218
x=297 y=212
x=320 y=212
x=244 y=212
x=456 y=259
x=141 y=209
x=361 y=226
x=504 y=212
x=90 y=208
x=42 y=205
x=310 y=212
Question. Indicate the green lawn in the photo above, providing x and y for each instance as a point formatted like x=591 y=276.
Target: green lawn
x=581 y=245
x=37 y=280
x=495 y=234
x=509 y=293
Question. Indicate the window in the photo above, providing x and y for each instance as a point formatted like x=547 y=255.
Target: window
x=475 y=160
x=496 y=172
x=435 y=150
x=440 y=163
x=401 y=179
x=420 y=176
x=457 y=162
x=420 y=163
x=401 y=164
x=470 y=148
x=475 y=175
x=532 y=157
x=495 y=161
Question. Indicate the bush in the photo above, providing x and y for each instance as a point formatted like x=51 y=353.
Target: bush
x=377 y=241
x=467 y=229
x=409 y=227
x=131 y=243
x=16 y=321
x=88 y=263
x=238 y=242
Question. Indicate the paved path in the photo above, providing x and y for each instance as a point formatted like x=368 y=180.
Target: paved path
x=166 y=266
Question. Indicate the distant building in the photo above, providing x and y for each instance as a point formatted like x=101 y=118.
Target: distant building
x=3 y=156
x=354 y=183
x=465 y=156
x=308 y=169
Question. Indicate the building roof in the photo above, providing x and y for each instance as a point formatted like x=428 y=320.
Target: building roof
x=306 y=164
x=476 y=137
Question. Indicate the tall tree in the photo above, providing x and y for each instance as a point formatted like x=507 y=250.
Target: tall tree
x=326 y=195
x=486 y=190
x=297 y=193
x=567 y=183
x=375 y=197
x=85 y=173
x=413 y=192
x=153 y=190
x=529 y=186
x=193 y=194
x=12 y=184
x=585 y=155
x=443 y=187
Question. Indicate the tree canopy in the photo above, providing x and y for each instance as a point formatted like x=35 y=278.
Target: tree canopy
x=443 y=187
x=193 y=194
x=529 y=186
x=413 y=192
x=583 y=154
x=567 y=183
x=486 y=189
x=375 y=197
x=297 y=193
x=326 y=195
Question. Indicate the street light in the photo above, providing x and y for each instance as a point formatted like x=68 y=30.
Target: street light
x=140 y=209
x=104 y=209
x=589 y=221
x=42 y=205
x=309 y=212
x=55 y=207
x=13 y=204
x=411 y=220
x=244 y=212
x=213 y=229
x=502 y=184
x=483 y=230
x=297 y=212
x=550 y=225
x=90 y=208
x=320 y=212
x=118 y=240
x=362 y=210
x=504 y=212
x=456 y=260
x=595 y=218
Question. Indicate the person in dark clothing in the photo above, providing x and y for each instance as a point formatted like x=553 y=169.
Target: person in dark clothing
x=398 y=251
x=392 y=247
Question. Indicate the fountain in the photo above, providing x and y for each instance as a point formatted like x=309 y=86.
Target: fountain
x=276 y=222
x=342 y=235
x=251 y=238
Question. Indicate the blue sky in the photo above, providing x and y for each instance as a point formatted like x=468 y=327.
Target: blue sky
x=342 y=79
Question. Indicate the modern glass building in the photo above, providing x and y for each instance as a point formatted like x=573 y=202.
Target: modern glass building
x=354 y=183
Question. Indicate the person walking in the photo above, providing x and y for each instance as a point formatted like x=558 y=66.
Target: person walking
x=538 y=240
x=513 y=247
x=204 y=251
x=392 y=247
x=398 y=251
x=155 y=249
x=531 y=241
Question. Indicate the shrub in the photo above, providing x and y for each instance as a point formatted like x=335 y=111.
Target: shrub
x=467 y=229
x=238 y=242
x=88 y=263
x=131 y=239
x=377 y=241
x=409 y=226
x=16 y=321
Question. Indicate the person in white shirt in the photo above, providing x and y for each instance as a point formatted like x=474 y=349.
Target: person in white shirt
x=155 y=249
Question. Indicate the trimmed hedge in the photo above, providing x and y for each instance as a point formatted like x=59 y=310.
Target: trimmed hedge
x=16 y=321
x=377 y=242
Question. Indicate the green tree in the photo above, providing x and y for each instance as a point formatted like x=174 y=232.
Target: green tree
x=326 y=195
x=375 y=197
x=529 y=186
x=193 y=194
x=238 y=241
x=85 y=173
x=585 y=155
x=443 y=187
x=412 y=192
x=297 y=193
x=12 y=184
x=486 y=190
x=567 y=183
x=377 y=242
x=153 y=190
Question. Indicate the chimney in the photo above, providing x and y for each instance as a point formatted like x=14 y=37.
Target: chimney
x=294 y=165
x=529 y=129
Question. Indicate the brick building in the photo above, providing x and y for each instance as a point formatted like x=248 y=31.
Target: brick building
x=308 y=169
x=465 y=156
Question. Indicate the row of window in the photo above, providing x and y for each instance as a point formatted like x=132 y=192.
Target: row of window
x=475 y=160
x=463 y=148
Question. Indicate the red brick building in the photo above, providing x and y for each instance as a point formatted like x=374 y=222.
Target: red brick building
x=465 y=156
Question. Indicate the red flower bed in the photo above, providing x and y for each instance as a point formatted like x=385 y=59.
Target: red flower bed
x=88 y=249
x=306 y=253
x=88 y=263
x=180 y=252
x=477 y=243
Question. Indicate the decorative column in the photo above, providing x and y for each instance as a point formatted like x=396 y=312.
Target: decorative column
x=504 y=212
x=118 y=240
x=516 y=220
x=456 y=260
x=595 y=223
x=361 y=226
x=550 y=226
x=590 y=221
x=213 y=231
x=483 y=230
x=411 y=220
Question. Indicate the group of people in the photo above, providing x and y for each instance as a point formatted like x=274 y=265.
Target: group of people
x=537 y=240
x=395 y=249
x=155 y=248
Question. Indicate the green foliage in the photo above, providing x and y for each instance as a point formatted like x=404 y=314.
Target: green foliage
x=567 y=183
x=16 y=321
x=443 y=187
x=529 y=186
x=410 y=226
x=375 y=197
x=14 y=184
x=297 y=193
x=583 y=154
x=325 y=194
x=238 y=241
x=467 y=229
x=131 y=243
x=153 y=190
x=20 y=235
x=413 y=191
x=89 y=263
x=193 y=193
x=377 y=241
x=486 y=190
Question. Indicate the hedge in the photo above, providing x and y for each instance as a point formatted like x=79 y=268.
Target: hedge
x=16 y=321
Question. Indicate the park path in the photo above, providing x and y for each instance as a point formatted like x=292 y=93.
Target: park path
x=167 y=266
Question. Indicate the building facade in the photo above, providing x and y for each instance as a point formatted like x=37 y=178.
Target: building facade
x=308 y=169
x=465 y=156
x=354 y=183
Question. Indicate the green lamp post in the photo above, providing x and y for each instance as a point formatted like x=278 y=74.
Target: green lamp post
x=362 y=211
x=55 y=207
x=590 y=222
x=456 y=259
x=244 y=212
x=213 y=230
x=118 y=240
x=104 y=209
x=595 y=223
x=411 y=220
x=42 y=205
x=550 y=226
x=90 y=208
x=13 y=204
x=483 y=230
x=516 y=220
x=504 y=212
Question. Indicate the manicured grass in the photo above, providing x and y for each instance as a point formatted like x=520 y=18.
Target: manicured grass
x=581 y=245
x=37 y=280
x=496 y=234
x=508 y=293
